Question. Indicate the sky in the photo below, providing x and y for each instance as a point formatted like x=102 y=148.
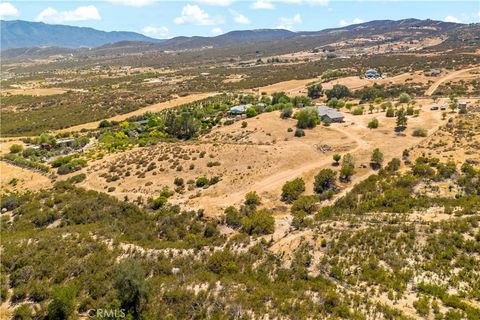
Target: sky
x=167 y=19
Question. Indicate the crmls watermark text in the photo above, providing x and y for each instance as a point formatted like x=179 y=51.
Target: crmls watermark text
x=107 y=313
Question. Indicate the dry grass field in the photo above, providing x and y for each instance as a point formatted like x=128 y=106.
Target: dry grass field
x=260 y=157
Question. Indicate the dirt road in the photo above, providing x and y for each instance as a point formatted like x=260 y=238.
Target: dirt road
x=448 y=77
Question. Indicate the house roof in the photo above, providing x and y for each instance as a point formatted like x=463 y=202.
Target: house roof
x=371 y=71
x=240 y=108
x=323 y=110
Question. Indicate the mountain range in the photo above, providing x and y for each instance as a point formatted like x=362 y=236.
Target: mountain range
x=36 y=39
x=23 y=34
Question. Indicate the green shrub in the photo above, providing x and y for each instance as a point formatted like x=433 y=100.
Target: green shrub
x=306 y=204
x=77 y=178
x=62 y=305
x=291 y=190
x=373 y=124
x=251 y=112
x=201 y=182
x=233 y=218
x=358 y=111
x=419 y=132
x=324 y=180
x=252 y=199
x=299 y=133
x=261 y=222
x=16 y=148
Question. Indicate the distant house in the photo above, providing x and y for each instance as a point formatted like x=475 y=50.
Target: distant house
x=372 y=74
x=435 y=73
x=443 y=107
x=434 y=108
x=65 y=143
x=240 y=109
x=142 y=122
x=329 y=115
x=462 y=105
x=261 y=104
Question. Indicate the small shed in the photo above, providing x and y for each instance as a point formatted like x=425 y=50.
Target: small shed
x=462 y=106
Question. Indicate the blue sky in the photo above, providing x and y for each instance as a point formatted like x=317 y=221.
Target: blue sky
x=165 y=19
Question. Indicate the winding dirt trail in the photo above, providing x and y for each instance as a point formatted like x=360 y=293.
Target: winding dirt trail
x=277 y=180
x=448 y=77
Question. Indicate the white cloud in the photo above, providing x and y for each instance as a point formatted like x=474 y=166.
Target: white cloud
x=269 y=4
x=309 y=2
x=216 y=31
x=289 y=23
x=262 y=4
x=156 y=32
x=452 y=19
x=239 y=18
x=133 y=3
x=8 y=10
x=344 y=23
x=222 y=3
x=195 y=15
x=51 y=15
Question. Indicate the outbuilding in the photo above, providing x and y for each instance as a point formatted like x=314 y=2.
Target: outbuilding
x=329 y=115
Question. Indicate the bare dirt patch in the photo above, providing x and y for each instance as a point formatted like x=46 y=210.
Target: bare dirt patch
x=25 y=179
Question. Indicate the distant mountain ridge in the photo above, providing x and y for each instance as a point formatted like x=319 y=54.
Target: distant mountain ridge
x=260 y=40
x=24 y=34
x=228 y=39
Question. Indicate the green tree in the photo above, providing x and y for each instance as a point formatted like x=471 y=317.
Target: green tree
x=401 y=120
x=315 y=91
x=336 y=157
x=291 y=190
x=453 y=104
x=131 y=287
x=307 y=118
x=62 y=305
x=324 y=180
x=377 y=158
x=393 y=165
x=338 y=91
x=348 y=167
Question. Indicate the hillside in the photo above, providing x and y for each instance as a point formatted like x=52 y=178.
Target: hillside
x=20 y=34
